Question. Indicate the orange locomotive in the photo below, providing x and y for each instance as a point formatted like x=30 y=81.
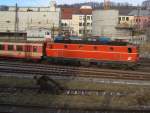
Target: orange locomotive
x=82 y=53
x=93 y=53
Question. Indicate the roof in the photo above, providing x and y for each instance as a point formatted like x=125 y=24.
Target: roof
x=124 y=11
x=66 y=13
x=139 y=13
x=85 y=11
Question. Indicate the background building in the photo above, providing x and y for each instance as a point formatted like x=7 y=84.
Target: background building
x=30 y=18
x=77 y=21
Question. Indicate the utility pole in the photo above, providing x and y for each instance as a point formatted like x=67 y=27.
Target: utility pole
x=16 y=19
x=106 y=4
x=138 y=18
x=53 y=31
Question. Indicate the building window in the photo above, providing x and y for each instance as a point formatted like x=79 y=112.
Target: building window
x=80 y=31
x=65 y=24
x=10 y=47
x=119 y=18
x=2 y=47
x=84 y=24
x=88 y=24
x=123 y=18
x=139 y=20
x=88 y=18
x=80 y=24
x=7 y=21
x=127 y=18
x=80 y=17
x=47 y=33
x=136 y=20
x=62 y=24
x=19 y=48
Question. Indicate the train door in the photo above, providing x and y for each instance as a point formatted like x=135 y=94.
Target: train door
x=28 y=51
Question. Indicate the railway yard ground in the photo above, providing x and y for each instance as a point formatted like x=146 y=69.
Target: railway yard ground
x=82 y=87
x=114 y=95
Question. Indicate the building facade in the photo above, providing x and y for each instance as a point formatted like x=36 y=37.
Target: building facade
x=30 y=18
x=126 y=20
x=141 y=18
x=77 y=21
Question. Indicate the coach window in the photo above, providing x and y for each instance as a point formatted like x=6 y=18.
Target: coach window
x=34 y=48
x=129 y=50
x=2 y=47
x=19 y=48
x=10 y=47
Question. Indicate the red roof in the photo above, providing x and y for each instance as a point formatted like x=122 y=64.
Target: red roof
x=66 y=13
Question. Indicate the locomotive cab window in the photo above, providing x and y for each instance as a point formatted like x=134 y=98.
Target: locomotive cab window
x=129 y=50
x=2 y=47
x=19 y=48
x=10 y=47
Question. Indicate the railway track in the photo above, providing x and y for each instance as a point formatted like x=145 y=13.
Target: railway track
x=55 y=70
x=143 y=63
x=73 y=92
x=14 y=108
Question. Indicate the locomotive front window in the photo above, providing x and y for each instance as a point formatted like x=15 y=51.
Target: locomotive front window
x=129 y=50
x=2 y=47
x=10 y=47
x=19 y=48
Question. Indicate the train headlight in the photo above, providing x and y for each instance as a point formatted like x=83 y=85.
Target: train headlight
x=129 y=58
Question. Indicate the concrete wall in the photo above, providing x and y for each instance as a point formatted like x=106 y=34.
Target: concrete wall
x=104 y=22
x=28 y=20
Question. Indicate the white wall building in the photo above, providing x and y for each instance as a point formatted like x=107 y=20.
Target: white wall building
x=80 y=25
x=30 y=18
x=73 y=20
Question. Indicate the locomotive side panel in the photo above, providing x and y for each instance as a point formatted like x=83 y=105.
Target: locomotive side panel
x=93 y=52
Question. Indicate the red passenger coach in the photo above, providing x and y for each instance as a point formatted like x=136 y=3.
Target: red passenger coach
x=98 y=53
x=23 y=50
